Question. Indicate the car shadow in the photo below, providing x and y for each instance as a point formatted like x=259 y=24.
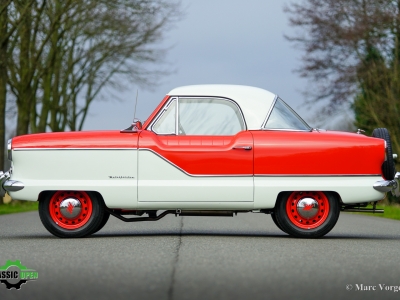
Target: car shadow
x=219 y=234
x=244 y=235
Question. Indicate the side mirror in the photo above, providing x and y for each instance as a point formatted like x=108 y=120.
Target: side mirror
x=135 y=127
x=138 y=124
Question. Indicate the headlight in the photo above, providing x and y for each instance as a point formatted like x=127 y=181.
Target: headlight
x=9 y=150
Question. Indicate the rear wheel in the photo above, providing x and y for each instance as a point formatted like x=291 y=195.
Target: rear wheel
x=307 y=214
x=71 y=214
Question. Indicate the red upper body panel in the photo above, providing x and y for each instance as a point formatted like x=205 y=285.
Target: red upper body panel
x=316 y=153
x=273 y=152
x=77 y=139
x=203 y=155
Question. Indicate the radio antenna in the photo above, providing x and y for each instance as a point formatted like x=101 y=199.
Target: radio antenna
x=135 y=123
x=134 y=113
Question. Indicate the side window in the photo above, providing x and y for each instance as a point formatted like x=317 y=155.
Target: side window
x=283 y=117
x=209 y=116
x=167 y=120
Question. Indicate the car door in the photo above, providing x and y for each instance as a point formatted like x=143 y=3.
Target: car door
x=196 y=150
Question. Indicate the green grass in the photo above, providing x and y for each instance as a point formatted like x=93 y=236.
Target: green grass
x=16 y=207
x=391 y=212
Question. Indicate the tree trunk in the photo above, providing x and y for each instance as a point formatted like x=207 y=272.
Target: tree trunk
x=24 y=101
x=3 y=84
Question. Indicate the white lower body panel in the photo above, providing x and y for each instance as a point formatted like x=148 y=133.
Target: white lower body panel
x=112 y=173
x=162 y=182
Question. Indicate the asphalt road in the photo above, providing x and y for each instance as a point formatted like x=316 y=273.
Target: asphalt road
x=244 y=257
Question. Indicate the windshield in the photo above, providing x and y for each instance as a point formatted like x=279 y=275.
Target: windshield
x=283 y=117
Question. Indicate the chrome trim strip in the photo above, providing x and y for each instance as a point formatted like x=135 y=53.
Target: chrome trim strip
x=48 y=149
x=13 y=185
x=288 y=129
x=191 y=175
x=317 y=175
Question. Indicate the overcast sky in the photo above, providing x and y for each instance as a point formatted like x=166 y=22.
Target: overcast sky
x=218 y=41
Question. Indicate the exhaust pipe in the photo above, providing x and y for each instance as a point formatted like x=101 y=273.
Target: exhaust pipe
x=357 y=208
x=364 y=210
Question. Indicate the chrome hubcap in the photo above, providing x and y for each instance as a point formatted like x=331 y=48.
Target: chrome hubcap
x=70 y=208
x=307 y=208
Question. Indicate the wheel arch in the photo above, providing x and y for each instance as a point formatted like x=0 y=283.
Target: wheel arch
x=44 y=194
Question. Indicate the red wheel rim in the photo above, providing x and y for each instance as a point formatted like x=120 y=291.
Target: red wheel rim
x=70 y=209
x=307 y=210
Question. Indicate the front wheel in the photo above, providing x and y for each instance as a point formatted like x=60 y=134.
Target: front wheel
x=307 y=214
x=71 y=214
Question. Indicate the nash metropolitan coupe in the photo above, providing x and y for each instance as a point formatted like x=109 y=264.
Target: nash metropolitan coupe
x=206 y=150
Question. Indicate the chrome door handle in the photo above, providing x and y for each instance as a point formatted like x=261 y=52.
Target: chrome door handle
x=243 y=147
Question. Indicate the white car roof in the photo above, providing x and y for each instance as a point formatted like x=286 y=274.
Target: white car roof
x=254 y=102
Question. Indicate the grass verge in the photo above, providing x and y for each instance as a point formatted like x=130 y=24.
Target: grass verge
x=391 y=211
x=16 y=207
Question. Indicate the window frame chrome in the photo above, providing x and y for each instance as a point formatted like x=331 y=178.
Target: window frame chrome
x=177 y=117
x=165 y=107
x=161 y=113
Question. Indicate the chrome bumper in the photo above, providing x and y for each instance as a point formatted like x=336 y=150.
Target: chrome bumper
x=7 y=185
x=389 y=185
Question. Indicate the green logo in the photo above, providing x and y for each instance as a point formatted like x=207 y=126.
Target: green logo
x=13 y=274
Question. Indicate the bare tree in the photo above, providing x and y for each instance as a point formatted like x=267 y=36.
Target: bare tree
x=377 y=104
x=65 y=52
x=7 y=29
x=3 y=81
x=335 y=37
x=352 y=55
x=100 y=54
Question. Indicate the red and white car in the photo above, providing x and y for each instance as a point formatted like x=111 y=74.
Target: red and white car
x=206 y=150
